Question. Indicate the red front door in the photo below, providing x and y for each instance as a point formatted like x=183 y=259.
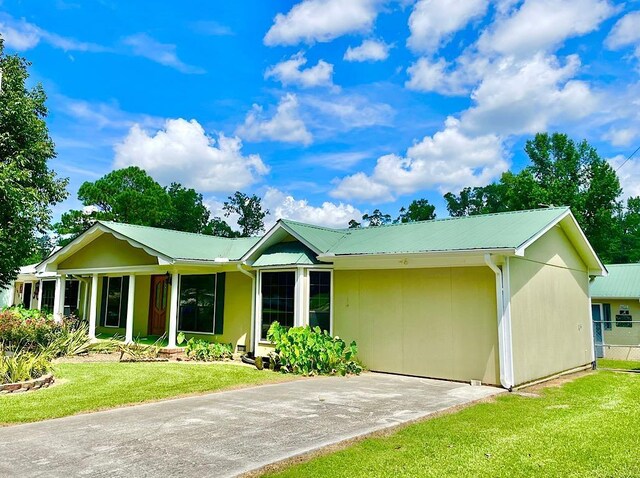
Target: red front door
x=158 y=305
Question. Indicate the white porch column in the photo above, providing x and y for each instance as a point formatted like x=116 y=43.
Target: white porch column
x=93 y=306
x=130 y=306
x=12 y=294
x=40 y=287
x=58 y=299
x=173 y=310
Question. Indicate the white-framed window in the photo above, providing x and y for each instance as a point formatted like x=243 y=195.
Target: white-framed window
x=319 y=299
x=197 y=303
x=294 y=297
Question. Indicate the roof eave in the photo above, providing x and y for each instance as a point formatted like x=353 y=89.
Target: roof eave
x=504 y=251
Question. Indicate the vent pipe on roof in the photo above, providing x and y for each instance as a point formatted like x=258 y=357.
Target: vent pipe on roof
x=504 y=323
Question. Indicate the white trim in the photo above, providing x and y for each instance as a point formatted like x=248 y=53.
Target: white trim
x=300 y=238
x=308 y=297
x=504 y=328
x=173 y=310
x=479 y=252
x=93 y=307
x=521 y=249
x=154 y=269
x=40 y=287
x=277 y=226
x=252 y=327
x=215 y=304
x=131 y=295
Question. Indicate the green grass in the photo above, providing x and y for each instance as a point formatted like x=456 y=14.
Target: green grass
x=619 y=364
x=84 y=387
x=586 y=428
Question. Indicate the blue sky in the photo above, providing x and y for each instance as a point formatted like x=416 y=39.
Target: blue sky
x=326 y=108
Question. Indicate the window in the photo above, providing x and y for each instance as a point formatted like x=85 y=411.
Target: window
x=48 y=295
x=320 y=299
x=71 y=291
x=606 y=316
x=197 y=303
x=114 y=299
x=278 y=299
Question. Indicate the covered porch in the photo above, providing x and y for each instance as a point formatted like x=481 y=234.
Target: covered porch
x=134 y=290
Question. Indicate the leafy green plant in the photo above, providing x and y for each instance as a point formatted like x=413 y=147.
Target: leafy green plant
x=20 y=364
x=311 y=351
x=135 y=352
x=198 y=349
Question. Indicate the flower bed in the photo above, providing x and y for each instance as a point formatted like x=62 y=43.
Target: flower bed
x=33 y=384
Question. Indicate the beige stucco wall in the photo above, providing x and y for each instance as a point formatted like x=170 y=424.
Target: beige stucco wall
x=107 y=251
x=550 y=309
x=437 y=322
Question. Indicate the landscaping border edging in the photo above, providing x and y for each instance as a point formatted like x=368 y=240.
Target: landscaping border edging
x=33 y=384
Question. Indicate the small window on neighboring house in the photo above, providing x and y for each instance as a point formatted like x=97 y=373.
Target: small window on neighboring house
x=48 y=295
x=197 y=303
x=606 y=319
x=320 y=299
x=278 y=299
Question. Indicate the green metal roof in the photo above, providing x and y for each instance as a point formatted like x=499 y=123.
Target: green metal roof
x=184 y=245
x=286 y=253
x=507 y=230
x=622 y=282
x=321 y=238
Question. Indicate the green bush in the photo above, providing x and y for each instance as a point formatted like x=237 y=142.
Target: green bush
x=32 y=330
x=198 y=349
x=20 y=365
x=307 y=351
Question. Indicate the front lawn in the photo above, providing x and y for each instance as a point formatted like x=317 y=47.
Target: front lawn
x=84 y=387
x=588 y=427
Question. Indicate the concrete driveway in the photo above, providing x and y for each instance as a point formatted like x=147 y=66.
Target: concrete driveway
x=227 y=433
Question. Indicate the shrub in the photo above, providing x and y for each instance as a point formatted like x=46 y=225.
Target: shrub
x=307 y=351
x=26 y=329
x=20 y=365
x=32 y=330
x=199 y=349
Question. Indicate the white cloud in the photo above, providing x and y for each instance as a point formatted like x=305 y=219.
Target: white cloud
x=289 y=72
x=183 y=152
x=525 y=97
x=368 y=50
x=437 y=76
x=433 y=22
x=625 y=32
x=313 y=21
x=541 y=25
x=285 y=125
x=629 y=174
x=346 y=112
x=621 y=136
x=165 y=54
x=329 y=214
x=449 y=159
x=341 y=161
x=22 y=35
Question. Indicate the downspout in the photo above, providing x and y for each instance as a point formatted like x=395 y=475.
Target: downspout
x=504 y=326
x=254 y=340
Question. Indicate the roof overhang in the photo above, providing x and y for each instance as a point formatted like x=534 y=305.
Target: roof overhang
x=50 y=264
x=276 y=234
x=574 y=233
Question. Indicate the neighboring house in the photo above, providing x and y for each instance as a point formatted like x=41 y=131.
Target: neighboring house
x=615 y=307
x=500 y=298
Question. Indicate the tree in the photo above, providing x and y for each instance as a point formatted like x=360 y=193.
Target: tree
x=250 y=212
x=219 y=227
x=561 y=173
x=418 y=210
x=353 y=224
x=28 y=188
x=376 y=218
x=131 y=196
